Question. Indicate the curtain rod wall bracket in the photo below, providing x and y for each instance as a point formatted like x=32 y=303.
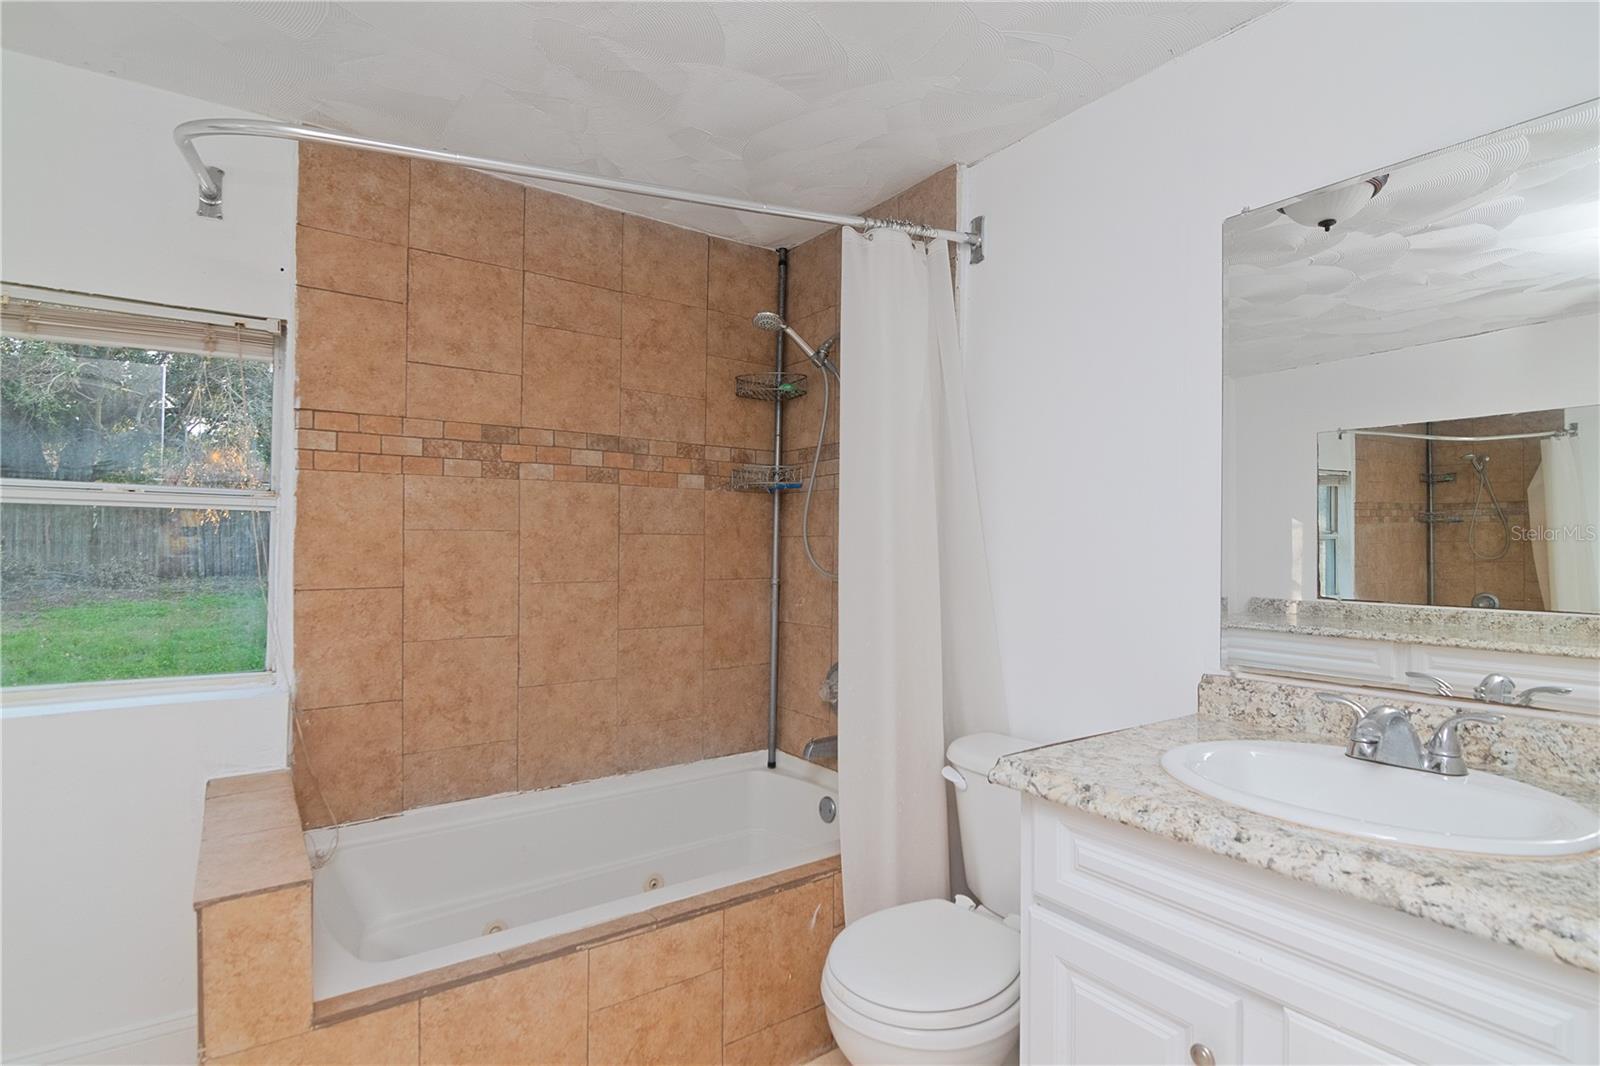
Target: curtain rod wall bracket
x=211 y=201
x=210 y=178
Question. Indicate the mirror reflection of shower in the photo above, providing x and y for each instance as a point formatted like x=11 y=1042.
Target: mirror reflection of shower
x=772 y=322
x=1480 y=467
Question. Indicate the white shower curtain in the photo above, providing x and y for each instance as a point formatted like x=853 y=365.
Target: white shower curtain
x=1563 y=511
x=917 y=646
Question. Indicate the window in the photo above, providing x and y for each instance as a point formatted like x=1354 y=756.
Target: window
x=136 y=490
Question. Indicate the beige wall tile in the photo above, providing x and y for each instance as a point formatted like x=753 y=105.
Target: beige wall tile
x=255 y=969
x=804 y=655
x=451 y=774
x=567 y=238
x=538 y=1014
x=347 y=647
x=814 y=275
x=796 y=926
x=661 y=674
x=347 y=530
x=341 y=263
x=789 y=1043
x=349 y=191
x=568 y=632
x=665 y=346
x=739 y=534
x=931 y=201
x=681 y=1023
x=567 y=733
x=838 y=899
x=463 y=213
x=355 y=754
x=571 y=306
x=569 y=531
x=824 y=514
x=736 y=710
x=464 y=314
x=460 y=503
x=350 y=353
x=738 y=622
x=384 y=1036
x=663 y=261
x=736 y=339
x=741 y=279
x=460 y=583
x=733 y=420
x=807 y=595
x=660 y=417
x=570 y=380
x=662 y=580
x=627 y=968
x=650 y=510
x=645 y=745
x=463 y=395
x=460 y=692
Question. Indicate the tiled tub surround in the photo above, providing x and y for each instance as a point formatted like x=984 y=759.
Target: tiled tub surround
x=516 y=561
x=1527 y=632
x=437 y=887
x=731 y=975
x=1550 y=907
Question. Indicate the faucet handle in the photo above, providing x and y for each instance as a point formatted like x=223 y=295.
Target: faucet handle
x=1444 y=747
x=1525 y=697
x=1344 y=701
x=1440 y=685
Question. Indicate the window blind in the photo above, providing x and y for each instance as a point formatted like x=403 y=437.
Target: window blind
x=73 y=324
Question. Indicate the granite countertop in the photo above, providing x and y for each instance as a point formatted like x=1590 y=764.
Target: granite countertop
x=1550 y=907
x=1520 y=632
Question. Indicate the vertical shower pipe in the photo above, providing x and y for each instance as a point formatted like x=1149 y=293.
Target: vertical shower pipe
x=777 y=504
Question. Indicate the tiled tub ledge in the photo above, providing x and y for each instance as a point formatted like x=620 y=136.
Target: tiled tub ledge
x=1550 y=907
x=732 y=975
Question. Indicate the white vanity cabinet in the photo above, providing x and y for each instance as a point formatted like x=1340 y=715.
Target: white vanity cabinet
x=1140 y=950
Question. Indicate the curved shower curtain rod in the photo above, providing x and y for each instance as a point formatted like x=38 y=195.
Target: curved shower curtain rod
x=210 y=178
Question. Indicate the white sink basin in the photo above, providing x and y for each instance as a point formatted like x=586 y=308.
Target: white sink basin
x=1317 y=785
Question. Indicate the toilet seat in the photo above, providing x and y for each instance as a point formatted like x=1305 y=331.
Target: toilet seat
x=925 y=966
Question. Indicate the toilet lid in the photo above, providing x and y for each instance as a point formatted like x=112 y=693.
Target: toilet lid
x=931 y=957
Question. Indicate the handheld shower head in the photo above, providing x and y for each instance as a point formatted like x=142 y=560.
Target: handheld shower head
x=769 y=321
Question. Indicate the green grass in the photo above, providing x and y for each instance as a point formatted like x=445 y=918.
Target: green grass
x=165 y=636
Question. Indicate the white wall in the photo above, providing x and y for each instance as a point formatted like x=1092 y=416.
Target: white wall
x=96 y=198
x=101 y=807
x=1094 y=326
x=1277 y=418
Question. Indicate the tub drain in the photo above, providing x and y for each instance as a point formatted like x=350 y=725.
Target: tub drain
x=652 y=882
x=496 y=926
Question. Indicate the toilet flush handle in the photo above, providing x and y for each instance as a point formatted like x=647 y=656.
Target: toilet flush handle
x=952 y=775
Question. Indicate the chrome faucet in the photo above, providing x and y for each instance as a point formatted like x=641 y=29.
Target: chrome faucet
x=1495 y=688
x=821 y=748
x=1385 y=735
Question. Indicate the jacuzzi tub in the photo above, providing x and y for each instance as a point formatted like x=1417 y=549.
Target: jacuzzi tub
x=440 y=885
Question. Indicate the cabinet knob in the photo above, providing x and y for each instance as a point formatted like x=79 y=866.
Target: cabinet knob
x=1201 y=1055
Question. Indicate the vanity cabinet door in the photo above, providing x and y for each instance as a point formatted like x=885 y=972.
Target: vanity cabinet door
x=1093 y=999
x=1308 y=1042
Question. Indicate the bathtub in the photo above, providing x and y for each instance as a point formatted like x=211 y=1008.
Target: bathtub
x=440 y=885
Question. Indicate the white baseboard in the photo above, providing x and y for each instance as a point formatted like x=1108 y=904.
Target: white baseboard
x=167 y=1042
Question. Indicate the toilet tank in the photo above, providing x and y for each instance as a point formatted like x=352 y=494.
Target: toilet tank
x=990 y=818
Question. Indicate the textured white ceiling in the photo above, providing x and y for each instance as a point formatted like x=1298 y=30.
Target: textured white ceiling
x=830 y=106
x=1499 y=232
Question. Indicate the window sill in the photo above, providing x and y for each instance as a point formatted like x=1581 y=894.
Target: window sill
x=38 y=700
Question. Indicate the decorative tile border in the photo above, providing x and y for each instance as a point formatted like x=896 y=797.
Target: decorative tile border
x=388 y=444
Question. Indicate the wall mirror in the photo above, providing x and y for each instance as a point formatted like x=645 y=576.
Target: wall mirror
x=1412 y=422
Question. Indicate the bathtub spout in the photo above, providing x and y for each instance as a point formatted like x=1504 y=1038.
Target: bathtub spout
x=821 y=748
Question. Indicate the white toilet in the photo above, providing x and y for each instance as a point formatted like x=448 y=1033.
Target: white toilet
x=938 y=981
